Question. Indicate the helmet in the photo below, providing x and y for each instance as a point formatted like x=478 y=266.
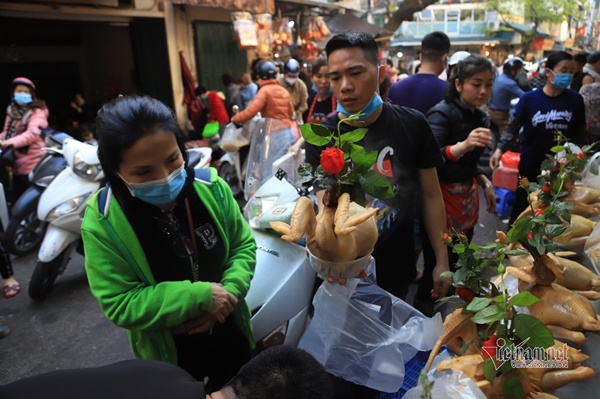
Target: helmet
x=22 y=81
x=458 y=57
x=513 y=64
x=266 y=70
x=291 y=67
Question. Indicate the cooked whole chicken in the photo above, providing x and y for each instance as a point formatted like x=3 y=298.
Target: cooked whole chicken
x=344 y=233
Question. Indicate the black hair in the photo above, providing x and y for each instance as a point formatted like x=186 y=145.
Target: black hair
x=434 y=45
x=581 y=58
x=466 y=68
x=282 y=372
x=557 y=57
x=593 y=57
x=227 y=78
x=318 y=64
x=200 y=90
x=124 y=120
x=354 y=39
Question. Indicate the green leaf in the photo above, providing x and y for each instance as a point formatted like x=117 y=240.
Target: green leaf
x=363 y=161
x=513 y=388
x=489 y=370
x=447 y=274
x=376 y=185
x=478 y=304
x=594 y=168
x=547 y=164
x=555 y=230
x=488 y=315
x=354 y=136
x=315 y=134
x=558 y=148
x=523 y=299
x=519 y=229
x=529 y=326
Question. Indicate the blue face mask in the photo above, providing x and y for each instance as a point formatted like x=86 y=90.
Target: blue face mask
x=162 y=191
x=367 y=111
x=562 y=80
x=23 y=98
x=315 y=89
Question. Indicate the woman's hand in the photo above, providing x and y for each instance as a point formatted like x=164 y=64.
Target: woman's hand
x=202 y=323
x=490 y=198
x=480 y=137
x=5 y=143
x=223 y=302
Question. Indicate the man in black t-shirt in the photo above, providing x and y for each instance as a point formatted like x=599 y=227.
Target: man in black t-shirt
x=408 y=155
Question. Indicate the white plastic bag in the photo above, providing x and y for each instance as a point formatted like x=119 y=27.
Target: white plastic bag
x=589 y=179
x=233 y=138
x=455 y=385
x=363 y=334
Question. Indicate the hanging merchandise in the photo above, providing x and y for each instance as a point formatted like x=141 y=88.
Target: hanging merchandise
x=316 y=29
x=245 y=29
x=282 y=32
x=264 y=34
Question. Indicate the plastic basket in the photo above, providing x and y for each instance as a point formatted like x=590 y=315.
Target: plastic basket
x=412 y=371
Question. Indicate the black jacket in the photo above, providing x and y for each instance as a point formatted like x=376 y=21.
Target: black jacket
x=452 y=122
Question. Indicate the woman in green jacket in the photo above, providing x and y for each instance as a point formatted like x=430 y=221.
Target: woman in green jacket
x=168 y=256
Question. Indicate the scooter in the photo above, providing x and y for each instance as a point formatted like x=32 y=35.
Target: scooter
x=281 y=291
x=25 y=231
x=62 y=206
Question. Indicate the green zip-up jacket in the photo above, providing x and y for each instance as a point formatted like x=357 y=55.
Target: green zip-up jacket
x=121 y=279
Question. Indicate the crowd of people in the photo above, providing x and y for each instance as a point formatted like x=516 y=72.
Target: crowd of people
x=170 y=258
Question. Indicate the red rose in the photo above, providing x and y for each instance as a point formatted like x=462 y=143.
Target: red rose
x=489 y=347
x=539 y=212
x=332 y=160
x=466 y=294
x=446 y=238
x=524 y=182
x=546 y=188
x=580 y=155
x=529 y=236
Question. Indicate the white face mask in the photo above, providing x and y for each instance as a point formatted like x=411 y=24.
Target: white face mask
x=291 y=81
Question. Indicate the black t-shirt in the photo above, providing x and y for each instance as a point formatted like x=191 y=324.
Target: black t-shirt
x=321 y=109
x=405 y=143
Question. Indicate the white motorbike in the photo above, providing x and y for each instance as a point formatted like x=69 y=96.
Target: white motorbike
x=62 y=206
x=281 y=291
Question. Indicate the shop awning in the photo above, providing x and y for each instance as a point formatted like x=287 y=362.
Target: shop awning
x=344 y=22
x=252 y=6
x=458 y=41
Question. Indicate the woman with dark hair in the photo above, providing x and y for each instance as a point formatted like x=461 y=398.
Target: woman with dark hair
x=542 y=113
x=26 y=116
x=168 y=256
x=462 y=131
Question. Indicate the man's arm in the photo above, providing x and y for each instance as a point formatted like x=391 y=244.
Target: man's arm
x=511 y=133
x=434 y=216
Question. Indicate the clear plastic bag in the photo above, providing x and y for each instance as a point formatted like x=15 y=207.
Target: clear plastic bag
x=363 y=334
x=588 y=178
x=455 y=385
x=233 y=138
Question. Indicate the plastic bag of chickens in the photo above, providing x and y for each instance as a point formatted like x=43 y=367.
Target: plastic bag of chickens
x=454 y=385
x=588 y=178
x=363 y=334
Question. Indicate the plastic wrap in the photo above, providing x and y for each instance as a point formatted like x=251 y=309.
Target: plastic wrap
x=589 y=179
x=363 y=334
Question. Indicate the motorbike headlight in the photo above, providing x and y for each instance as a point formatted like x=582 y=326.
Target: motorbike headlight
x=67 y=207
x=256 y=207
x=85 y=170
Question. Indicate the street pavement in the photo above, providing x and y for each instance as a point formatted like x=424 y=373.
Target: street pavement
x=68 y=329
